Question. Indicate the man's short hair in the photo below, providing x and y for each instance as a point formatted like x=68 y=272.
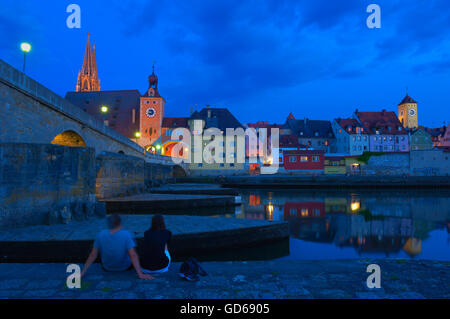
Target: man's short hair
x=114 y=221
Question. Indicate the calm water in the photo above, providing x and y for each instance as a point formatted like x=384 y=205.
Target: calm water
x=357 y=224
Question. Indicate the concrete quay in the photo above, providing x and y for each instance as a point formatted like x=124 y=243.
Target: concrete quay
x=324 y=181
x=159 y=203
x=400 y=279
x=194 y=189
x=192 y=235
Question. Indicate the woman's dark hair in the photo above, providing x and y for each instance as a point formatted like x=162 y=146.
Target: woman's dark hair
x=158 y=223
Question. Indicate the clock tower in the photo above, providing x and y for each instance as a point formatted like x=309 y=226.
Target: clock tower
x=407 y=112
x=151 y=113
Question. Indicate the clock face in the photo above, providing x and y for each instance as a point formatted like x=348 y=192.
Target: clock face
x=412 y=112
x=151 y=112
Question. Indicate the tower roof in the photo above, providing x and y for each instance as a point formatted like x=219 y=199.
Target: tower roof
x=407 y=99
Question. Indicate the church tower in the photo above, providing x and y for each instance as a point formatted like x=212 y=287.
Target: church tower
x=151 y=113
x=88 y=80
x=407 y=112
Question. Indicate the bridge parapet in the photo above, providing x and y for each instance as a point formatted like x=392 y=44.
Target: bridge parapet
x=44 y=114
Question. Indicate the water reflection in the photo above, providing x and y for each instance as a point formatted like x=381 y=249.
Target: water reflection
x=354 y=224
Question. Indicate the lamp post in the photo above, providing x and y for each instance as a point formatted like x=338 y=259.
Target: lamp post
x=104 y=109
x=25 y=47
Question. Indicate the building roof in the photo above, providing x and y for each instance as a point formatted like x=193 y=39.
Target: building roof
x=173 y=122
x=407 y=99
x=435 y=132
x=264 y=124
x=350 y=125
x=310 y=128
x=384 y=122
x=220 y=118
x=289 y=141
x=120 y=105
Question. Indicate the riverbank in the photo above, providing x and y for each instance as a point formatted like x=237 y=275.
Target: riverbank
x=243 y=280
x=161 y=203
x=192 y=235
x=323 y=181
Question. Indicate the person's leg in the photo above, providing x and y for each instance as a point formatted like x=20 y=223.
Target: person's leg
x=159 y=271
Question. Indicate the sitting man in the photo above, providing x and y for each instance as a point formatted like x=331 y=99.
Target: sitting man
x=116 y=248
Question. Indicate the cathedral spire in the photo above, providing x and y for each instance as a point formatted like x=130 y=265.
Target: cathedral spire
x=87 y=57
x=88 y=80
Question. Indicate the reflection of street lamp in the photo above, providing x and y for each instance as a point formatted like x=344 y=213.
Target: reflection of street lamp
x=25 y=47
x=269 y=211
x=355 y=205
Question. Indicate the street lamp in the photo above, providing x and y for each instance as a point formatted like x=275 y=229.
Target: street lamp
x=137 y=134
x=104 y=109
x=25 y=47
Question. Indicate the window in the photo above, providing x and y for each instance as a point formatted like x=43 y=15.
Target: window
x=292 y=159
x=304 y=212
x=169 y=133
x=303 y=158
x=293 y=212
x=315 y=159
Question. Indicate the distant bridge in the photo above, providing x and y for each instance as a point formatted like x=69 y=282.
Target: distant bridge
x=31 y=113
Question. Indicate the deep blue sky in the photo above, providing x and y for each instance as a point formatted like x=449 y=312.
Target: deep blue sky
x=261 y=59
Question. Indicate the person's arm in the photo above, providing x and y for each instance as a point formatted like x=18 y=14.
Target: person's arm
x=135 y=261
x=92 y=257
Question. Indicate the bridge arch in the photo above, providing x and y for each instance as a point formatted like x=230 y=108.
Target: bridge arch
x=69 y=138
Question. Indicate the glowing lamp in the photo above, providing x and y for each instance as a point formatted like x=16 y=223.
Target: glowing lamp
x=25 y=47
x=137 y=134
x=104 y=109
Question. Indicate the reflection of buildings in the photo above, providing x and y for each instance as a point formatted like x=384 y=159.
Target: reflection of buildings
x=371 y=223
x=413 y=246
x=304 y=209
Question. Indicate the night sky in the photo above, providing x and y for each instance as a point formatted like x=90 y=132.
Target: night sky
x=261 y=59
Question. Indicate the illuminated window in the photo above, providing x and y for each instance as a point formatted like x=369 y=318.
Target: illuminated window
x=303 y=158
x=304 y=212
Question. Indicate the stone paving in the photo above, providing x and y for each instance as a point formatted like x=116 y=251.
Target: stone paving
x=268 y=280
x=138 y=224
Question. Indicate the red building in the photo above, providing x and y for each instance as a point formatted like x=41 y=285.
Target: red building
x=303 y=159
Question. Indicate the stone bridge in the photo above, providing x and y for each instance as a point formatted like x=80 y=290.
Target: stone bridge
x=31 y=113
x=57 y=162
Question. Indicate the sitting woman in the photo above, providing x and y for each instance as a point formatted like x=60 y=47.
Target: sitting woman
x=155 y=254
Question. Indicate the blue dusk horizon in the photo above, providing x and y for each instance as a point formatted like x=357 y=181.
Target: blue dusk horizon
x=261 y=59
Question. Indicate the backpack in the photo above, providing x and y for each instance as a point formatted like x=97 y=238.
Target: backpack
x=191 y=269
